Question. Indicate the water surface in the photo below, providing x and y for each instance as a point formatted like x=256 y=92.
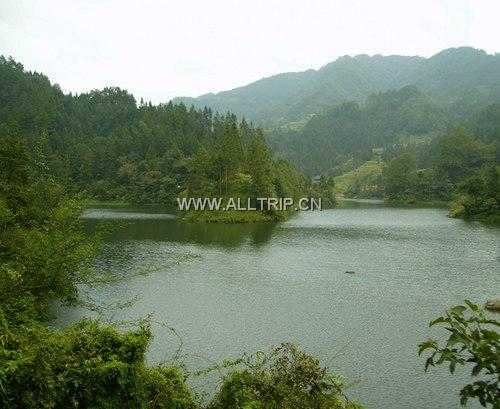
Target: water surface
x=229 y=289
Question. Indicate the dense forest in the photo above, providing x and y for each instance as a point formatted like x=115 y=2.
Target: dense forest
x=345 y=134
x=403 y=146
x=406 y=129
x=103 y=144
x=462 y=78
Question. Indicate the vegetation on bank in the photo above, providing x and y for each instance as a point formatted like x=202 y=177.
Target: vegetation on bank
x=455 y=167
x=107 y=147
x=403 y=146
x=240 y=166
x=44 y=254
x=106 y=203
x=231 y=216
x=87 y=365
x=285 y=378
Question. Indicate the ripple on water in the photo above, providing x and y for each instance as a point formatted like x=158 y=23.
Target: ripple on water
x=234 y=289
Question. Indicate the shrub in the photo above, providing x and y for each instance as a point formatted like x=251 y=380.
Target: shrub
x=286 y=378
x=87 y=365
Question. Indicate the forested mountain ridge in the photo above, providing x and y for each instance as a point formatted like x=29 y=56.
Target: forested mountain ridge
x=105 y=144
x=403 y=146
x=461 y=77
x=351 y=130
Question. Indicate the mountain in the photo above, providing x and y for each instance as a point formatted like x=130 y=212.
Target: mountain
x=461 y=77
x=349 y=131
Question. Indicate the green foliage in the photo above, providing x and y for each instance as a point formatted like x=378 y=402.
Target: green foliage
x=43 y=246
x=44 y=252
x=473 y=340
x=403 y=182
x=286 y=378
x=87 y=365
x=477 y=195
x=362 y=182
x=426 y=156
x=240 y=167
x=326 y=190
x=350 y=130
x=452 y=166
x=460 y=154
x=486 y=123
x=229 y=216
x=103 y=144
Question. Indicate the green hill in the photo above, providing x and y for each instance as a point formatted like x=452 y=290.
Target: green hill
x=346 y=134
x=461 y=77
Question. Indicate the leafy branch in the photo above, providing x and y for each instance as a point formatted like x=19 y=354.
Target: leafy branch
x=473 y=340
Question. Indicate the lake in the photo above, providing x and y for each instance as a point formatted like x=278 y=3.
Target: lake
x=230 y=289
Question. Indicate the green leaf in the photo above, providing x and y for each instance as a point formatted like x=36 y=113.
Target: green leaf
x=429 y=362
x=491 y=335
x=472 y=306
x=437 y=321
x=456 y=339
x=426 y=345
x=458 y=309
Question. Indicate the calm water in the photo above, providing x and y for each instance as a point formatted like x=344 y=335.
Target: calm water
x=229 y=289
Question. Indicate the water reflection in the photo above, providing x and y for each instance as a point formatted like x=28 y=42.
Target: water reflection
x=133 y=224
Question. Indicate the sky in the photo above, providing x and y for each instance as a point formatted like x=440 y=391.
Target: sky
x=161 y=49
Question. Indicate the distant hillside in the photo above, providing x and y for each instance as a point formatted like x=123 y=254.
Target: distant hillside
x=342 y=137
x=461 y=77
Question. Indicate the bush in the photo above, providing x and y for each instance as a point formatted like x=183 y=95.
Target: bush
x=87 y=365
x=287 y=378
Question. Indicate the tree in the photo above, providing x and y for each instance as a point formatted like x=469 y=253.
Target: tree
x=259 y=166
x=477 y=195
x=400 y=177
x=41 y=238
x=460 y=154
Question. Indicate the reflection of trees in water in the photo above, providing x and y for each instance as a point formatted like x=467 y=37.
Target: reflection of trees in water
x=145 y=246
x=120 y=260
x=262 y=233
x=222 y=235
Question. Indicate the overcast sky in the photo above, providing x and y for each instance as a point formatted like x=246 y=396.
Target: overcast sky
x=161 y=49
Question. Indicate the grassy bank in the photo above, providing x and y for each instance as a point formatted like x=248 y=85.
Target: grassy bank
x=106 y=203
x=232 y=216
x=418 y=203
